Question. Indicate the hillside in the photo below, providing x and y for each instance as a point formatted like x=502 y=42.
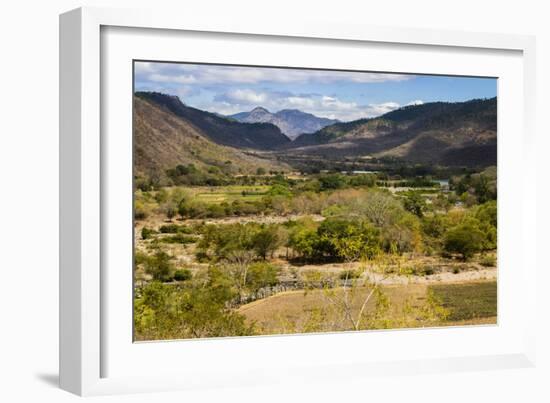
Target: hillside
x=292 y=122
x=460 y=134
x=163 y=140
x=220 y=130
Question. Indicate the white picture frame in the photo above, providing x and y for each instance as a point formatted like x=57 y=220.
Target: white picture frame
x=88 y=317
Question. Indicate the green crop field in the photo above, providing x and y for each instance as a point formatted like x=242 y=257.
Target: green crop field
x=219 y=194
x=468 y=301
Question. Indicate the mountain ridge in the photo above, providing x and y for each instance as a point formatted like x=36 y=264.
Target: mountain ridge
x=163 y=140
x=435 y=133
x=221 y=130
x=291 y=122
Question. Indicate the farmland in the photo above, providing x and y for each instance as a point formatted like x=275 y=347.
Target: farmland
x=278 y=254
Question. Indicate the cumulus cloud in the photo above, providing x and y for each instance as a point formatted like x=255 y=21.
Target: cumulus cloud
x=243 y=96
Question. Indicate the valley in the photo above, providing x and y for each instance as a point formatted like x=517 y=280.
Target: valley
x=379 y=223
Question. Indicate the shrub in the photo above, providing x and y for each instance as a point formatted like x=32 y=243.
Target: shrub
x=170 y=213
x=215 y=211
x=174 y=229
x=179 y=238
x=349 y=274
x=183 y=275
x=488 y=261
x=427 y=271
x=140 y=211
x=147 y=233
x=260 y=275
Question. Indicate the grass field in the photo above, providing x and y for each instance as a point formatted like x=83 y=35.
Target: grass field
x=219 y=194
x=297 y=312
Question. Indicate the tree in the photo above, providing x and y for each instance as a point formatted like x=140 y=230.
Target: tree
x=260 y=275
x=266 y=241
x=260 y=171
x=160 y=266
x=378 y=207
x=183 y=208
x=304 y=239
x=279 y=189
x=349 y=240
x=334 y=181
x=465 y=239
x=415 y=203
x=193 y=309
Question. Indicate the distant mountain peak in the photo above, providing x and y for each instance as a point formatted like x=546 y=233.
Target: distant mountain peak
x=292 y=122
x=259 y=109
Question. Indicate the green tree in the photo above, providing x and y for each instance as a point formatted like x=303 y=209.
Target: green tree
x=183 y=208
x=465 y=239
x=415 y=203
x=333 y=181
x=260 y=275
x=160 y=266
x=266 y=241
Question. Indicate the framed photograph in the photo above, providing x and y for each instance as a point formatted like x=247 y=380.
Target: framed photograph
x=242 y=202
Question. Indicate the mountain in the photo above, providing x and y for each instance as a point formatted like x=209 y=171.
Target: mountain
x=163 y=140
x=221 y=130
x=292 y=122
x=457 y=134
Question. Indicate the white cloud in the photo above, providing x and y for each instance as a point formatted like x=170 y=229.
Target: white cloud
x=205 y=74
x=240 y=89
x=415 y=102
x=380 y=109
x=179 y=79
x=245 y=96
x=321 y=105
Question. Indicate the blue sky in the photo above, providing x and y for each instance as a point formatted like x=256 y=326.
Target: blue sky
x=333 y=94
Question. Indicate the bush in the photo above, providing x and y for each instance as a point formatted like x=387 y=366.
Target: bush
x=175 y=229
x=349 y=274
x=183 y=275
x=260 y=275
x=140 y=211
x=215 y=211
x=147 y=233
x=427 y=271
x=179 y=238
x=488 y=261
